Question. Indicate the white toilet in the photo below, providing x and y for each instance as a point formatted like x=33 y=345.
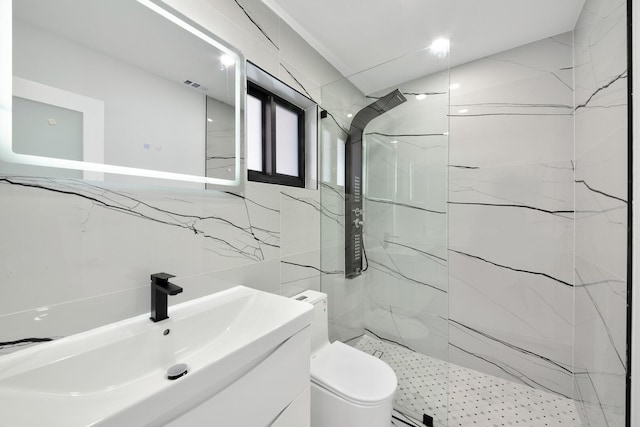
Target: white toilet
x=349 y=388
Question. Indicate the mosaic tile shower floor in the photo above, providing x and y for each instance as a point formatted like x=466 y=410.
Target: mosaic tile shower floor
x=431 y=386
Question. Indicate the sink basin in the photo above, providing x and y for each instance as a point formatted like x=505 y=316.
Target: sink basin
x=117 y=374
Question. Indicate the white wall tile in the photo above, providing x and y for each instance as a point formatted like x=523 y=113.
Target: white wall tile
x=300 y=219
x=510 y=215
x=300 y=272
x=601 y=212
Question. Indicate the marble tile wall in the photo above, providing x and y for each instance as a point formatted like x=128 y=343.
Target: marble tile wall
x=77 y=255
x=601 y=212
x=511 y=215
x=345 y=297
x=405 y=208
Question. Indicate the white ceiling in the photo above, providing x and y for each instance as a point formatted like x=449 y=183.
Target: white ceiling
x=357 y=35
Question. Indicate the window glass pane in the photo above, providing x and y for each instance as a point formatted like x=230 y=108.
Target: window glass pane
x=254 y=133
x=286 y=141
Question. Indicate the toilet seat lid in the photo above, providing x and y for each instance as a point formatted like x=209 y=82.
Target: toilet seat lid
x=352 y=374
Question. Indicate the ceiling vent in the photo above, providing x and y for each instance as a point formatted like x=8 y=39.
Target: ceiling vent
x=196 y=85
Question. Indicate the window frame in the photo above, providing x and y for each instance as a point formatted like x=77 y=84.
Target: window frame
x=269 y=139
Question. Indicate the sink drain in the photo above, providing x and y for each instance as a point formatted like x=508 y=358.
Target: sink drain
x=177 y=371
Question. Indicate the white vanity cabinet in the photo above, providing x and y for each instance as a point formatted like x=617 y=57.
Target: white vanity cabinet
x=274 y=393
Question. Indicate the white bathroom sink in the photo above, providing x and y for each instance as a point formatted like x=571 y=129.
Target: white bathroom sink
x=116 y=374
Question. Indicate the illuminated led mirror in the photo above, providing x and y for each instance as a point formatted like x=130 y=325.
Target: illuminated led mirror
x=107 y=90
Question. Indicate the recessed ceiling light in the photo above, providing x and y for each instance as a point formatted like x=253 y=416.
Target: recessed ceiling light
x=227 y=60
x=464 y=110
x=454 y=86
x=440 y=47
x=395 y=141
x=209 y=120
x=349 y=115
x=420 y=96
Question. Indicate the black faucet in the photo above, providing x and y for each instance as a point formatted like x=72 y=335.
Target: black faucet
x=161 y=288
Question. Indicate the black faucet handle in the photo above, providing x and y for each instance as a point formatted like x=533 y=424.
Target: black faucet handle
x=160 y=288
x=161 y=278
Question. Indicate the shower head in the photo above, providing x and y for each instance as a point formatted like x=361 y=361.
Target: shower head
x=353 y=179
x=375 y=109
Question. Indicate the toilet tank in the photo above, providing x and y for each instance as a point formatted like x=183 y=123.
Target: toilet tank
x=319 y=325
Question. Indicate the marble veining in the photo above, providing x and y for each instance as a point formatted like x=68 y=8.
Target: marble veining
x=396 y=273
x=601 y=213
x=125 y=203
x=586 y=103
x=254 y=22
x=313 y=267
x=498 y=109
x=562 y=366
x=511 y=213
x=10 y=346
x=297 y=82
x=562 y=282
x=612 y=342
x=404 y=135
x=260 y=28
x=602 y=193
x=513 y=205
x=325 y=211
x=411 y=93
x=463 y=167
x=430 y=256
x=403 y=205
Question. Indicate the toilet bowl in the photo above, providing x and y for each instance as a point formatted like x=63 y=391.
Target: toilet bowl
x=349 y=388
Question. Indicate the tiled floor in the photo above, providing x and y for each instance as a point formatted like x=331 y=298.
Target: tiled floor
x=459 y=397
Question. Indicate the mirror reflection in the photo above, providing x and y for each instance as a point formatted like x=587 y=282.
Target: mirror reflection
x=106 y=89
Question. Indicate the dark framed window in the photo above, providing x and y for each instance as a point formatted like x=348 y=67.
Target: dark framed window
x=275 y=138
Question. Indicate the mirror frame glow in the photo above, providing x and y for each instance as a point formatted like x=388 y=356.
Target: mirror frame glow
x=6 y=92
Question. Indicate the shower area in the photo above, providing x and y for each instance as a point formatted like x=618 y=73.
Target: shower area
x=491 y=229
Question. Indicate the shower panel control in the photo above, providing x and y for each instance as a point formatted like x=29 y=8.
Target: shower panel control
x=354 y=224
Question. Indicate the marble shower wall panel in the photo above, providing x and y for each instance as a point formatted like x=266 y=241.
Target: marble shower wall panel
x=345 y=296
x=529 y=87
x=406 y=229
x=332 y=229
x=405 y=210
x=77 y=255
x=511 y=214
x=601 y=212
x=402 y=302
